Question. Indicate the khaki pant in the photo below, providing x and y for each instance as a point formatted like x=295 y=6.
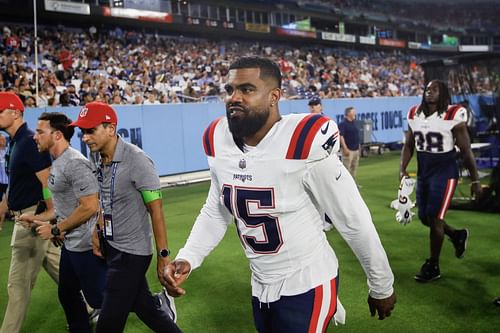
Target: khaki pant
x=351 y=162
x=29 y=254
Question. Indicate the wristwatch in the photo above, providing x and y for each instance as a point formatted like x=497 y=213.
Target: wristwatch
x=163 y=253
x=55 y=230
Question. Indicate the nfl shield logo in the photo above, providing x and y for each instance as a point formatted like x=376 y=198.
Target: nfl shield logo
x=242 y=164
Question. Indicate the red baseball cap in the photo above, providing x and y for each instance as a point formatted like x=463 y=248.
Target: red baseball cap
x=9 y=100
x=95 y=113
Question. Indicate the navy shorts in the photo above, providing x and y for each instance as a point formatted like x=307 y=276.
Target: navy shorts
x=305 y=313
x=434 y=195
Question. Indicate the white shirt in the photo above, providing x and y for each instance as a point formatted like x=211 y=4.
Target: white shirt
x=277 y=193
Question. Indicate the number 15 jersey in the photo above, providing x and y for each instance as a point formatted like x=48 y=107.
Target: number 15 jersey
x=276 y=193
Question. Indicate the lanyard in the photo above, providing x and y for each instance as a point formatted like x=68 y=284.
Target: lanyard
x=114 y=165
x=8 y=156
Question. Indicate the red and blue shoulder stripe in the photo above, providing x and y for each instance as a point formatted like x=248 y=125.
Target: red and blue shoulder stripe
x=208 y=138
x=452 y=111
x=413 y=111
x=303 y=136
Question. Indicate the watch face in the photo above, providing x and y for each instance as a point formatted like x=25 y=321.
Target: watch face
x=55 y=230
x=164 y=253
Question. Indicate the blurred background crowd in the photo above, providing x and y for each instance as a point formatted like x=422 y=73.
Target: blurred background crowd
x=121 y=66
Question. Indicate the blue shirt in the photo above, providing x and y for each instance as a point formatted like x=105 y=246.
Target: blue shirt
x=350 y=133
x=25 y=190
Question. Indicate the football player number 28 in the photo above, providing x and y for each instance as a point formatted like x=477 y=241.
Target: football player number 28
x=239 y=205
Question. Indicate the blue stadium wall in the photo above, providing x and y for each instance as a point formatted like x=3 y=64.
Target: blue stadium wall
x=171 y=134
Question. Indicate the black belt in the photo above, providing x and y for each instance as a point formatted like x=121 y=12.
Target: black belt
x=24 y=210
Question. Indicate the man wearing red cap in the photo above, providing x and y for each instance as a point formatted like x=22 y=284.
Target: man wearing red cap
x=28 y=190
x=129 y=190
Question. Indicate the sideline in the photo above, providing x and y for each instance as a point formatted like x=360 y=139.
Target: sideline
x=184 y=179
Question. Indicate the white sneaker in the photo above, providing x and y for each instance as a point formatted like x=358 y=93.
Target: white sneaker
x=93 y=318
x=327 y=226
x=167 y=303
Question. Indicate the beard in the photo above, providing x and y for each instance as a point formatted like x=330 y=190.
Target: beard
x=247 y=122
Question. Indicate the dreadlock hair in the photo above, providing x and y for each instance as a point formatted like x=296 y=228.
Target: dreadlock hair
x=444 y=98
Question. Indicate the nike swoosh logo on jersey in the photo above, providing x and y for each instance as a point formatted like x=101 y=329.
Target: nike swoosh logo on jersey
x=340 y=174
x=323 y=131
x=83 y=188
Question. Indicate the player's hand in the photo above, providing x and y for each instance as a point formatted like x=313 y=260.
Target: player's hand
x=403 y=174
x=2 y=220
x=476 y=192
x=43 y=229
x=382 y=306
x=3 y=211
x=96 y=245
x=161 y=264
x=175 y=274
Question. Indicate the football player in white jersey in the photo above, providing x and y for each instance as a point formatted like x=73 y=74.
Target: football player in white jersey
x=434 y=128
x=275 y=176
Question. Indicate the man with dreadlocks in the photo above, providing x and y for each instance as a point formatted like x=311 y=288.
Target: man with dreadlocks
x=434 y=128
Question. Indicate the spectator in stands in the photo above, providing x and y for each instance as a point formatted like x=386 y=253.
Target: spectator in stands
x=101 y=61
x=349 y=141
x=152 y=97
x=74 y=100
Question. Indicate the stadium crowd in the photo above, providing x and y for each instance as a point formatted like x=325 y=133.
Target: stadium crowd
x=472 y=15
x=127 y=67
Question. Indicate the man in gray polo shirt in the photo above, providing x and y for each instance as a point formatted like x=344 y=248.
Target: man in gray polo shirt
x=129 y=189
x=74 y=193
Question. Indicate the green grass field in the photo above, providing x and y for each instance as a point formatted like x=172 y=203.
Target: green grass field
x=218 y=294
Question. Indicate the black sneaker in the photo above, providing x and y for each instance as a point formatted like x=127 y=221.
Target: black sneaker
x=428 y=272
x=167 y=304
x=459 y=241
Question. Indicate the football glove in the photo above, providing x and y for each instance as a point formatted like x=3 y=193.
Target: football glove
x=404 y=205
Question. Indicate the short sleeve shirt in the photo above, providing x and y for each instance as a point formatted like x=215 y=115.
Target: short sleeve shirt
x=25 y=190
x=71 y=178
x=120 y=183
x=350 y=133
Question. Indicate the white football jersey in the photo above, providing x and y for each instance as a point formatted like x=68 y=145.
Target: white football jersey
x=274 y=192
x=434 y=134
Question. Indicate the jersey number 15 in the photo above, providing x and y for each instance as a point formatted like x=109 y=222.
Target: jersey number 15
x=238 y=202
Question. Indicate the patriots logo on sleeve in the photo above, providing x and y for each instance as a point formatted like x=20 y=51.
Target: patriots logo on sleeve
x=330 y=143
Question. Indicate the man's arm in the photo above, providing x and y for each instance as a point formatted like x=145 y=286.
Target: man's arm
x=462 y=140
x=4 y=209
x=345 y=149
x=49 y=213
x=406 y=153
x=87 y=207
x=207 y=232
x=335 y=191
x=155 y=209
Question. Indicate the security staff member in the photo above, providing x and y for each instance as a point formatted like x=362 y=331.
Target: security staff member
x=129 y=189
x=74 y=193
x=349 y=141
x=28 y=174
